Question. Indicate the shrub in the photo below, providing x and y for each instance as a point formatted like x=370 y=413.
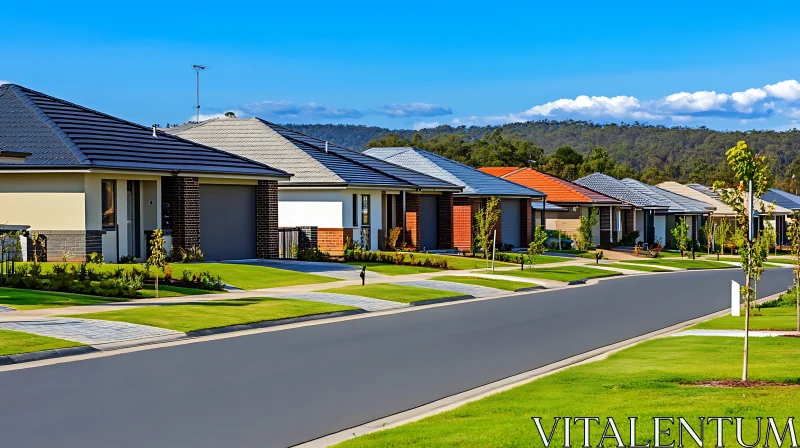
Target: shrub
x=127 y=259
x=392 y=237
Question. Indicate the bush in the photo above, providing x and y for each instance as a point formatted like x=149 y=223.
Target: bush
x=629 y=239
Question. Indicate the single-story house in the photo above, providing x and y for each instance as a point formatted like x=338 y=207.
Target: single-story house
x=787 y=201
x=516 y=200
x=88 y=182
x=569 y=202
x=335 y=192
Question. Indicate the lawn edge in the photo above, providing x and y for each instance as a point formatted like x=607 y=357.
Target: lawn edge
x=18 y=358
x=442 y=300
x=480 y=392
x=270 y=323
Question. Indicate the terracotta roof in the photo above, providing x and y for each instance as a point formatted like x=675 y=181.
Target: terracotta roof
x=557 y=190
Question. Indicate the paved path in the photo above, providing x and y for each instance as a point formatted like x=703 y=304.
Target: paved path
x=365 y=303
x=276 y=389
x=461 y=288
x=89 y=331
x=735 y=333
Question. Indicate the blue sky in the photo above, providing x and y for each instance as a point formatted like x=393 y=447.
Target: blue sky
x=416 y=64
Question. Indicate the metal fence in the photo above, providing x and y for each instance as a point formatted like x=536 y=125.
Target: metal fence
x=292 y=239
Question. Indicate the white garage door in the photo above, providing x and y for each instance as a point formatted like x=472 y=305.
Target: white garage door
x=228 y=222
x=510 y=221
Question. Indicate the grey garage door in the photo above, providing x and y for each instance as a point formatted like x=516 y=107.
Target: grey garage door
x=510 y=222
x=228 y=222
x=428 y=222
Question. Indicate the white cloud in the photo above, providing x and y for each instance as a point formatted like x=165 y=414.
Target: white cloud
x=290 y=110
x=682 y=107
x=425 y=125
x=413 y=110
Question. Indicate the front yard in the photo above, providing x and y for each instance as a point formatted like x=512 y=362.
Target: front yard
x=252 y=277
x=394 y=293
x=682 y=264
x=214 y=314
x=391 y=269
x=635 y=267
x=652 y=379
x=27 y=299
x=15 y=342
x=561 y=274
x=498 y=283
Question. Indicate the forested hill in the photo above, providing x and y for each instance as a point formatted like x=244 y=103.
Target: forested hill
x=651 y=153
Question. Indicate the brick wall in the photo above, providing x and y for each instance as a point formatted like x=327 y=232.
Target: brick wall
x=75 y=244
x=332 y=239
x=267 y=219
x=463 y=212
x=183 y=196
x=527 y=221
x=412 y=220
x=445 y=209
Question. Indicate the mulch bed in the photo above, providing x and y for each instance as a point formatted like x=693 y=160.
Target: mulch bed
x=743 y=384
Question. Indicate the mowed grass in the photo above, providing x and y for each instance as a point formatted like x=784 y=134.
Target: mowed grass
x=395 y=293
x=540 y=259
x=634 y=267
x=782 y=318
x=149 y=291
x=29 y=299
x=507 y=285
x=391 y=269
x=682 y=264
x=15 y=342
x=251 y=277
x=648 y=380
x=214 y=314
x=562 y=274
x=455 y=261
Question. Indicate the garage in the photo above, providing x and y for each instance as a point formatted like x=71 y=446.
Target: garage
x=228 y=222
x=510 y=217
x=428 y=222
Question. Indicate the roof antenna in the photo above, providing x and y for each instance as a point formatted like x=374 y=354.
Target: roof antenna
x=326 y=146
x=197 y=69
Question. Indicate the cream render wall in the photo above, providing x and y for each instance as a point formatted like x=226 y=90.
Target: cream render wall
x=47 y=201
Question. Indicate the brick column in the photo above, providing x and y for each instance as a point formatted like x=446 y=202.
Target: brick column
x=267 y=219
x=463 y=213
x=527 y=222
x=444 y=207
x=183 y=196
x=412 y=220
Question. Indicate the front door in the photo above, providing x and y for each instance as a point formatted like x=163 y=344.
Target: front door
x=134 y=231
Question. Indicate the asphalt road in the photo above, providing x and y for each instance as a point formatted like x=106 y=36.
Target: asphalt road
x=286 y=387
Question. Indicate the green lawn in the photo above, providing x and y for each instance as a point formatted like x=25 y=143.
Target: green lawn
x=149 y=291
x=652 y=379
x=507 y=285
x=541 y=259
x=455 y=261
x=15 y=342
x=782 y=318
x=391 y=269
x=562 y=274
x=634 y=267
x=251 y=277
x=218 y=313
x=683 y=264
x=28 y=299
x=395 y=293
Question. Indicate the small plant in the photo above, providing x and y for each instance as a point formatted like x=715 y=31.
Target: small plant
x=586 y=230
x=536 y=246
x=127 y=259
x=158 y=255
x=392 y=236
x=186 y=276
x=96 y=258
x=598 y=256
x=681 y=234
x=485 y=220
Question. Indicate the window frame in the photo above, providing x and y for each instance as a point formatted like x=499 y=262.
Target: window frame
x=366 y=212
x=103 y=200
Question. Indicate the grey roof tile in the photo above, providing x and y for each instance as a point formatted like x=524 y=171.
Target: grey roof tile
x=676 y=203
x=474 y=181
x=782 y=198
x=58 y=133
x=615 y=188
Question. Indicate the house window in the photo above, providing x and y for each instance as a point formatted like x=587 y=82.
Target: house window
x=109 y=203
x=355 y=210
x=364 y=209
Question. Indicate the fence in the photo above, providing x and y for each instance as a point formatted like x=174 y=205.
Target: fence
x=292 y=238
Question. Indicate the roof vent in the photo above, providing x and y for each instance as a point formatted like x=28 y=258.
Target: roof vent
x=326 y=146
x=154 y=131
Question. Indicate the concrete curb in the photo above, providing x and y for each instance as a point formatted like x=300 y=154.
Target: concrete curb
x=457 y=400
x=442 y=300
x=45 y=354
x=529 y=288
x=271 y=323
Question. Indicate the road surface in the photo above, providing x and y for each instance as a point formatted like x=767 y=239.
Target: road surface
x=286 y=387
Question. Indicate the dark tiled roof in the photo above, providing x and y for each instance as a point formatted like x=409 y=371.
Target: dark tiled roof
x=475 y=182
x=615 y=188
x=61 y=134
x=782 y=198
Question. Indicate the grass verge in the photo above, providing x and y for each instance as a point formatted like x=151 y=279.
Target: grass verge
x=648 y=380
x=16 y=342
x=218 y=313
x=29 y=299
x=395 y=293
x=562 y=274
x=682 y=264
x=253 y=277
x=634 y=267
x=508 y=285
x=391 y=269
x=164 y=291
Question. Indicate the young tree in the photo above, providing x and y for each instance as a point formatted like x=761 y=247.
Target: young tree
x=708 y=234
x=485 y=219
x=751 y=172
x=723 y=235
x=793 y=232
x=681 y=234
x=537 y=244
x=586 y=230
x=158 y=255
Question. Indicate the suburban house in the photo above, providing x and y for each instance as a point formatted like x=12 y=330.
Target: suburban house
x=787 y=201
x=678 y=207
x=88 y=182
x=720 y=210
x=567 y=202
x=641 y=216
x=516 y=200
x=337 y=194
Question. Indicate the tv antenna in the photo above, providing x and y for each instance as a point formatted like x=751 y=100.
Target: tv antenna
x=197 y=69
